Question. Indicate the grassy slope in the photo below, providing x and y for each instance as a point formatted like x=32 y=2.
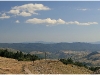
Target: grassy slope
x=12 y=66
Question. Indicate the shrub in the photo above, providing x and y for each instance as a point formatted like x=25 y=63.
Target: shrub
x=18 y=55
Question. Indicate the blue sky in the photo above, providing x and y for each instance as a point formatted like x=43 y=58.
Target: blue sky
x=50 y=21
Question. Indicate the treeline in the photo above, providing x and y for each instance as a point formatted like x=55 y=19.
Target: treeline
x=18 y=55
x=70 y=61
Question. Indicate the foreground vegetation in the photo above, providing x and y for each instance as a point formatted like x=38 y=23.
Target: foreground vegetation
x=18 y=55
x=70 y=61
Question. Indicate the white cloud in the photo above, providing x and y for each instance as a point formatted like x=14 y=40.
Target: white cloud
x=31 y=7
x=27 y=9
x=78 y=23
x=49 y=22
x=14 y=12
x=17 y=21
x=45 y=21
x=82 y=9
x=25 y=14
x=4 y=16
x=60 y=21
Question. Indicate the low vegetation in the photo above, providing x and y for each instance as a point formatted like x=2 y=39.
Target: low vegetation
x=18 y=55
x=70 y=61
x=94 y=68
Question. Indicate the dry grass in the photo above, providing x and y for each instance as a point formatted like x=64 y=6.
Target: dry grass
x=56 y=67
x=12 y=66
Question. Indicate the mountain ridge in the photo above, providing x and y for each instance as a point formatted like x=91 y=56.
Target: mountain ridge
x=51 y=47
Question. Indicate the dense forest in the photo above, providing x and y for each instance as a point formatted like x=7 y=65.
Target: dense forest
x=54 y=47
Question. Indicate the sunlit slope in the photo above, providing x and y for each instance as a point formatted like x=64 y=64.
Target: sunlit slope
x=12 y=66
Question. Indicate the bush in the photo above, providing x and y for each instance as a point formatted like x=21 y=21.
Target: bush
x=94 y=68
x=68 y=61
x=79 y=64
x=63 y=61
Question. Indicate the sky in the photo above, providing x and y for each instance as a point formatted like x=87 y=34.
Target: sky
x=49 y=21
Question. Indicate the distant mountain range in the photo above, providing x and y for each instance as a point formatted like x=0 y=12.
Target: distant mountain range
x=43 y=42
x=51 y=47
x=98 y=42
